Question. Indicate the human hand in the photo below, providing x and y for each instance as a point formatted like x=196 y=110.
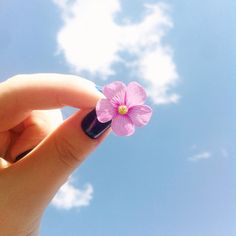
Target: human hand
x=30 y=119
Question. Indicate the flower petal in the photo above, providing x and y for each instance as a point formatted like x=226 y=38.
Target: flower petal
x=122 y=125
x=115 y=92
x=105 y=111
x=135 y=94
x=140 y=114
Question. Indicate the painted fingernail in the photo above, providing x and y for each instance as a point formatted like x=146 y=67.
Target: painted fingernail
x=99 y=88
x=92 y=127
x=20 y=156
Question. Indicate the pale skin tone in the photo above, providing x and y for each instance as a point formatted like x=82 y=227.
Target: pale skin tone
x=30 y=118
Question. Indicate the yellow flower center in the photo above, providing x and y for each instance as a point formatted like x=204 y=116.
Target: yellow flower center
x=122 y=109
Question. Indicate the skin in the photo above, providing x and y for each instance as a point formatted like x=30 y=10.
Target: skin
x=30 y=118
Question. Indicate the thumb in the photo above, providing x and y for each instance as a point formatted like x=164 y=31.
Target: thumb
x=48 y=166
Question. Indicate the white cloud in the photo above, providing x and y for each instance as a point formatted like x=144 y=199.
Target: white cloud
x=91 y=40
x=200 y=156
x=69 y=196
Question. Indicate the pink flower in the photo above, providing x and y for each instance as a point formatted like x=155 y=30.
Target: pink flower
x=124 y=106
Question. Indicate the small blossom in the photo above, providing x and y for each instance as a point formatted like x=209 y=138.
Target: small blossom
x=124 y=106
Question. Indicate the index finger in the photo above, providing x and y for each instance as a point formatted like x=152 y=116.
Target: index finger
x=23 y=93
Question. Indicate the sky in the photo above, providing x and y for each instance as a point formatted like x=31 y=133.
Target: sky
x=176 y=176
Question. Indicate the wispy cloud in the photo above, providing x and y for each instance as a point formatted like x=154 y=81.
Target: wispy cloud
x=92 y=41
x=200 y=156
x=71 y=197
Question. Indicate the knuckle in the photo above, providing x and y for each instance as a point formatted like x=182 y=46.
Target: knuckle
x=67 y=153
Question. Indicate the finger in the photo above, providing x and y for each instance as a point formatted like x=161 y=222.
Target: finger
x=36 y=127
x=48 y=166
x=5 y=141
x=23 y=93
x=3 y=163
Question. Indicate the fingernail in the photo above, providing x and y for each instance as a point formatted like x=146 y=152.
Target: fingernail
x=99 y=88
x=20 y=156
x=92 y=127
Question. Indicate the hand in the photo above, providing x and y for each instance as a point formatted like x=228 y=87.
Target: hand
x=28 y=185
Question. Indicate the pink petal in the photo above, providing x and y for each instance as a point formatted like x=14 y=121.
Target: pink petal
x=105 y=111
x=115 y=92
x=122 y=125
x=140 y=114
x=135 y=94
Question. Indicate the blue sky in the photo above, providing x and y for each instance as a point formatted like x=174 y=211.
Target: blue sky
x=175 y=177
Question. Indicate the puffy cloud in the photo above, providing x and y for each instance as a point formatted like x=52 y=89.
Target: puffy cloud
x=92 y=41
x=200 y=156
x=69 y=196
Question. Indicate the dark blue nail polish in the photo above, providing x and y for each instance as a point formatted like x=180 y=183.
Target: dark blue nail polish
x=99 y=88
x=20 y=156
x=92 y=127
